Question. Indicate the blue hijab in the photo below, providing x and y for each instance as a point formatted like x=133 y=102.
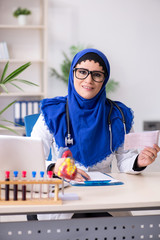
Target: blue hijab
x=88 y=120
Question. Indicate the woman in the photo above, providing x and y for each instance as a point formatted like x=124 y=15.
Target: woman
x=88 y=114
x=93 y=148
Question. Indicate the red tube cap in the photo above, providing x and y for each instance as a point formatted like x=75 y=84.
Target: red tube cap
x=50 y=174
x=7 y=173
x=24 y=174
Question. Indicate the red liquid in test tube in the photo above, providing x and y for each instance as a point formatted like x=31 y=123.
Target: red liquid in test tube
x=15 y=187
x=7 y=173
x=24 y=185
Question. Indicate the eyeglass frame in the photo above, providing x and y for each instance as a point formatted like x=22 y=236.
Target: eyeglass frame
x=89 y=72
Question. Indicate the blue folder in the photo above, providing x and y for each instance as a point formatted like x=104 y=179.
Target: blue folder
x=97 y=179
x=96 y=183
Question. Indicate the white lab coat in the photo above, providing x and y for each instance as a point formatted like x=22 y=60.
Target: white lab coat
x=125 y=159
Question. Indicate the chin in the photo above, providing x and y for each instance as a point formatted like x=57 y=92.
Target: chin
x=86 y=96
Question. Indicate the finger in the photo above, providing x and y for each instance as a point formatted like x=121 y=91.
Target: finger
x=151 y=152
x=153 y=149
x=79 y=178
x=83 y=174
x=149 y=155
x=156 y=147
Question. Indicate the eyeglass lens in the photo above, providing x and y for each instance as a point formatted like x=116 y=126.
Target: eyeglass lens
x=83 y=73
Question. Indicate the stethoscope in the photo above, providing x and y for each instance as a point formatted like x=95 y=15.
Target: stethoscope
x=110 y=122
x=69 y=139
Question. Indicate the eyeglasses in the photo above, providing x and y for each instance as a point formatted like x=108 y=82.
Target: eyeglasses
x=82 y=73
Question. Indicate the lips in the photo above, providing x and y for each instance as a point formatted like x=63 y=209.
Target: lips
x=87 y=87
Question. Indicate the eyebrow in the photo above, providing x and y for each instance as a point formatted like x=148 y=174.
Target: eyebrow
x=88 y=69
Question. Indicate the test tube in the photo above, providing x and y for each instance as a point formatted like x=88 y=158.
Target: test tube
x=50 y=174
x=32 y=185
x=7 y=173
x=41 y=178
x=24 y=186
x=15 y=187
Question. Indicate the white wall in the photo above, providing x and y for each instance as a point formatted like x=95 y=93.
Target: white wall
x=128 y=32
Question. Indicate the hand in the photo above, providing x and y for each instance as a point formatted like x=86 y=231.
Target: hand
x=81 y=175
x=58 y=164
x=148 y=156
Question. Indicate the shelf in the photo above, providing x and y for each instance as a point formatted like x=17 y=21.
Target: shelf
x=22 y=27
x=18 y=130
x=22 y=60
x=15 y=128
x=21 y=94
x=27 y=43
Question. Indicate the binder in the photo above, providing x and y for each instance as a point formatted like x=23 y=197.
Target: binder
x=29 y=108
x=24 y=108
x=17 y=114
x=4 y=51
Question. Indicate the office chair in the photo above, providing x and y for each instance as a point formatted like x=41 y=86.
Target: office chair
x=29 y=122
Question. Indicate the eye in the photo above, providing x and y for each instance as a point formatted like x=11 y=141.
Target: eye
x=97 y=74
x=82 y=72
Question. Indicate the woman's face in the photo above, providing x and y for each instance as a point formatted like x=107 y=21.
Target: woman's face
x=88 y=88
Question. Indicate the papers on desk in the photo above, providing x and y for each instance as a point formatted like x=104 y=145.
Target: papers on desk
x=98 y=179
x=141 y=140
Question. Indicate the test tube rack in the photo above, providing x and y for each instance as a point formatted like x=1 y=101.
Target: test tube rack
x=34 y=201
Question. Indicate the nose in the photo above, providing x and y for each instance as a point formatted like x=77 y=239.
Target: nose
x=89 y=78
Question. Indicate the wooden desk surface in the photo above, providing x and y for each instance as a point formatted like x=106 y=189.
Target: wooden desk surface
x=139 y=192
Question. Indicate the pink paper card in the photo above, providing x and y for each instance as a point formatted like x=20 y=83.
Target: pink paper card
x=141 y=140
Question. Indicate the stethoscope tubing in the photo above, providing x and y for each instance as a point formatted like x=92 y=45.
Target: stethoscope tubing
x=110 y=123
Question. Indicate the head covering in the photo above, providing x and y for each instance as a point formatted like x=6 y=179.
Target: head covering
x=88 y=119
x=95 y=57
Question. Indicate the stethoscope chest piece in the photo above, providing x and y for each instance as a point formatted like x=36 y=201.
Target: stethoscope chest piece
x=68 y=140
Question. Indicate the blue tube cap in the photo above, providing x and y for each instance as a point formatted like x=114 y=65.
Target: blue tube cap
x=15 y=173
x=41 y=174
x=33 y=174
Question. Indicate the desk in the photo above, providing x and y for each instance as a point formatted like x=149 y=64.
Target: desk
x=139 y=192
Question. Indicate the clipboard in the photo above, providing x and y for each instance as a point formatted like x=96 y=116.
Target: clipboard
x=98 y=179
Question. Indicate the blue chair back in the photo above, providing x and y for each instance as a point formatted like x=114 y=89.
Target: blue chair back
x=29 y=122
